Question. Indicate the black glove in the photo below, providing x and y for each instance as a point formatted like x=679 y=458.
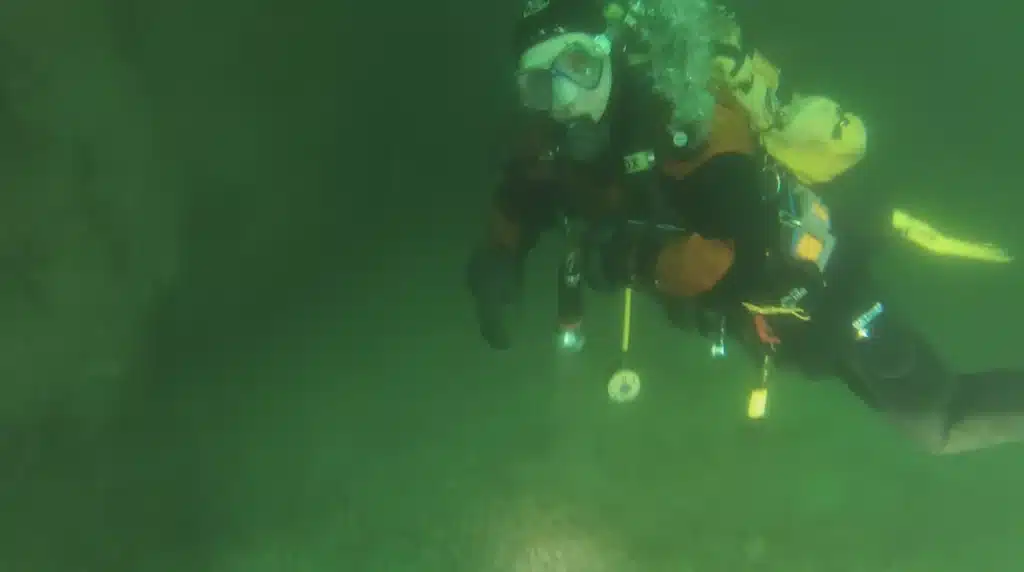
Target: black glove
x=494 y=276
x=607 y=247
x=617 y=254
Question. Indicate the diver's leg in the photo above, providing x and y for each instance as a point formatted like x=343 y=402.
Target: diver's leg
x=897 y=373
x=987 y=409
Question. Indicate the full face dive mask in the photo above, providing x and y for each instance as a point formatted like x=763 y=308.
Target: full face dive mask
x=556 y=73
x=568 y=77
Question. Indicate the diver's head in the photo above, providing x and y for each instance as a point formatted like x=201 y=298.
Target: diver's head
x=564 y=53
x=567 y=50
x=568 y=76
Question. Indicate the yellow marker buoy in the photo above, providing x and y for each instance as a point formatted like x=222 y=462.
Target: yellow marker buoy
x=757 y=403
x=624 y=385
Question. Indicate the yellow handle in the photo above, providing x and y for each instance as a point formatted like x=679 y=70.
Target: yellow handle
x=627 y=310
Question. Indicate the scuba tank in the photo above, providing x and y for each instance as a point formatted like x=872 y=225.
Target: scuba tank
x=569 y=299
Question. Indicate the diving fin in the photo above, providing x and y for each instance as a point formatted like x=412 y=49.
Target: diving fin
x=925 y=236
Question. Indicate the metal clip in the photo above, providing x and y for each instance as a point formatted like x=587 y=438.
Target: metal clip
x=862 y=324
x=639 y=162
x=718 y=348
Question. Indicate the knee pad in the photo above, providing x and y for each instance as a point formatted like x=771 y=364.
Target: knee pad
x=899 y=373
x=890 y=354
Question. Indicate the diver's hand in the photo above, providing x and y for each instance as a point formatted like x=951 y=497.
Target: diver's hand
x=608 y=248
x=618 y=255
x=493 y=327
x=494 y=278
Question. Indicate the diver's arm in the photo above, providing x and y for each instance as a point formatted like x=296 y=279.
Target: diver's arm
x=725 y=259
x=525 y=202
x=524 y=206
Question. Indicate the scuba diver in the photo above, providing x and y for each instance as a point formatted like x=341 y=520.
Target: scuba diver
x=676 y=168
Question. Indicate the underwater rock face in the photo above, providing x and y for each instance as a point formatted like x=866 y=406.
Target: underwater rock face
x=88 y=219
